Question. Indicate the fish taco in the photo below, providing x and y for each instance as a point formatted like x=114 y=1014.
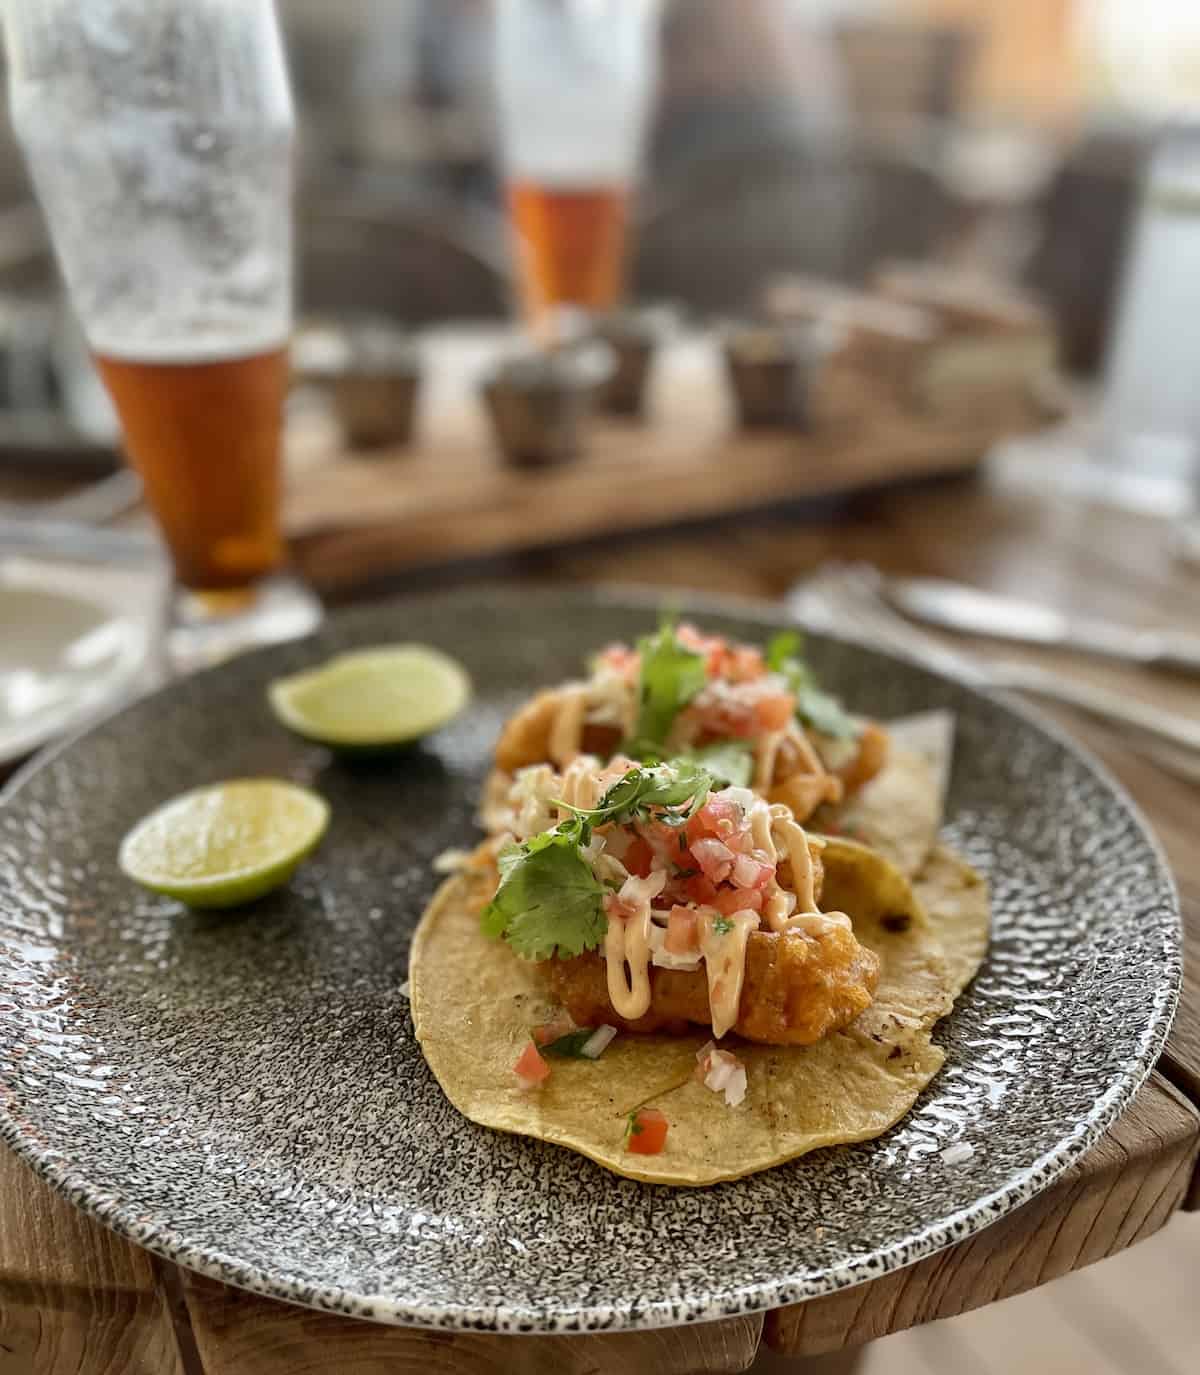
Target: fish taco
x=672 y=976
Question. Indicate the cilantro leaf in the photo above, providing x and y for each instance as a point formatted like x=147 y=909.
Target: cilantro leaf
x=814 y=706
x=669 y=677
x=664 y=792
x=570 y=1046
x=549 y=901
x=783 y=648
x=731 y=762
x=722 y=926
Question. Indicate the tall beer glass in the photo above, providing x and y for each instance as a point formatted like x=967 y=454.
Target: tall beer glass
x=574 y=80
x=159 y=137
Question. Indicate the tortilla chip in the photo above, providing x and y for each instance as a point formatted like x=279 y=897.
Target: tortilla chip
x=474 y=1004
x=955 y=898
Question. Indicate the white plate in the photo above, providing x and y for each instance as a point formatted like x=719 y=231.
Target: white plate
x=63 y=658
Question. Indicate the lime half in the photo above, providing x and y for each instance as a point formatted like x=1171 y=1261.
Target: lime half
x=226 y=844
x=372 y=699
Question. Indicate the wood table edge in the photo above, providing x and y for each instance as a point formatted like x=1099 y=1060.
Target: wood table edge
x=1121 y=1192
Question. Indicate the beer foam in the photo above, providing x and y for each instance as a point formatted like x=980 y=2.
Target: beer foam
x=573 y=85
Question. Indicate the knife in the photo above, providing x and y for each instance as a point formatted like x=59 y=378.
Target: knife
x=955 y=606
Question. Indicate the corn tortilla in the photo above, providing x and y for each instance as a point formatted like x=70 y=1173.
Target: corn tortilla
x=474 y=1003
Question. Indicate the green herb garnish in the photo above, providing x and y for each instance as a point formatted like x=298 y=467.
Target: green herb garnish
x=722 y=926
x=670 y=793
x=549 y=902
x=570 y=1046
x=632 y=1126
x=815 y=707
x=669 y=677
x=731 y=762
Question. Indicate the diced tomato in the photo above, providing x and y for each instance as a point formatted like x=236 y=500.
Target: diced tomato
x=561 y=1024
x=740 y=842
x=691 y=638
x=743 y=663
x=639 y=858
x=774 y=712
x=682 y=937
x=734 y=718
x=714 y=858
x=700 y=889
x=717 y=818
x=749 y=872
x=646 y=1133
x=530 y=1068
x=731 y=900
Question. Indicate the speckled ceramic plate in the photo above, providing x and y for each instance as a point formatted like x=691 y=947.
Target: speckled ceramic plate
x=242 y=1093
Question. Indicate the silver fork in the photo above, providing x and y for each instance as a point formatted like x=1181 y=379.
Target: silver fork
x=848 y=598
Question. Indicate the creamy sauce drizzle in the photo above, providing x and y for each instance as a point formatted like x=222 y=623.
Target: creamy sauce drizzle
x=725 y=965
x=628 y=951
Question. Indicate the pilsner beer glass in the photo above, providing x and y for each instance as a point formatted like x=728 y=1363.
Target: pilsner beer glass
x=573 y=82
x=159 y=137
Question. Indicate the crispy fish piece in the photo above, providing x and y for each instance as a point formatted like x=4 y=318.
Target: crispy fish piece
x=798 y=987
x=549 y=729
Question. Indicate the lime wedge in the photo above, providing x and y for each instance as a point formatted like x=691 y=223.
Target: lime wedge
x=226 y=844
x=372 y=699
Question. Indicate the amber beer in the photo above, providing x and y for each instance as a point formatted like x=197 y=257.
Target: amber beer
x=570 y=247
x=205 y=437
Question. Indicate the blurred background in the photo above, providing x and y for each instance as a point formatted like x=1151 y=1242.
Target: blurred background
x=788 y=136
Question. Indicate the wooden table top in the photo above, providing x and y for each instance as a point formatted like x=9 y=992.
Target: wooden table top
x=76 y=1298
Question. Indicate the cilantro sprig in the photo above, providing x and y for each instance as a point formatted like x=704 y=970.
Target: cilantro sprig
x=815 y=707
x=670 y=793
x=731 y=762
x=669 y=676
x=549 y=901
x=570 y=1045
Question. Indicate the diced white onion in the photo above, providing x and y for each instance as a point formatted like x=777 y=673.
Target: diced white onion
x=596 y=1043
x=742 y=797
x=725 y=1074
x=451 y=861
x=735 y=1089
x=719 y=1070
x=405 y=989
